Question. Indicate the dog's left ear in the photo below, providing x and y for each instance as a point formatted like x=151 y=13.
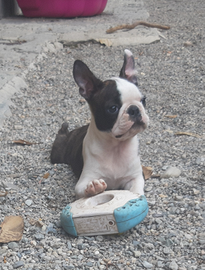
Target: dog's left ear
x=128 y=70
x=85 y=79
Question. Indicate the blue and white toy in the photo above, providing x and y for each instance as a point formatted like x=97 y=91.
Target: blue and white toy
x=110 y=212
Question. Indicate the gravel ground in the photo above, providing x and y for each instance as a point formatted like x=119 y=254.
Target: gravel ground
x=172 y=75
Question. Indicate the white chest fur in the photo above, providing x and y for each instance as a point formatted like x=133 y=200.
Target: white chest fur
x=115 y=161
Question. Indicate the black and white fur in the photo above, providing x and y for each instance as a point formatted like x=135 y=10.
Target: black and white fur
x=104 y=154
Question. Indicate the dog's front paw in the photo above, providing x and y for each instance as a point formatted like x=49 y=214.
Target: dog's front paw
x=95 y=187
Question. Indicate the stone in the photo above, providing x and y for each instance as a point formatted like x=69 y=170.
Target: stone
x=2 y=251
x=148 y=188
x=171 y=172
x=71 y=266
x=99 y=238
x=69 y=246
x=137 y=253
x=136 y=243
x=167 y=250
x=160 y=264
x=89 y=264
x=188 y=44
x=80 y=246
x=151 y=203
x=196 y=191
x=51 y=48
x=39 y=236
x=178 y=198
x=28 y=202
x=50 y=228
x=173 y=266
x=202 y=238
x=58 y=45
x=58 y=224
x=147 y=265
x=13 y=245
x=18 y=127
x=18 y=264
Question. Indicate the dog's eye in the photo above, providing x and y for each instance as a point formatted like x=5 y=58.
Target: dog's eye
x=113 y=109
x=143 y=100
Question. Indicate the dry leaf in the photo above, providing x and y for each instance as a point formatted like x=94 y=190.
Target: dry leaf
x=32 y=221
x=163 y=196
x=171 y=116
x=82 y=101
x=187 y=133
x=11 y=229
x=3 y=193
x=46 y=175
x=22 y=142
x=37 y=223
x=147 y=171
x=105 y=42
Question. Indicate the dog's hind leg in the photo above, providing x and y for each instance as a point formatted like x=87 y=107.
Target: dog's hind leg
x=67 y=147
x=60 y=145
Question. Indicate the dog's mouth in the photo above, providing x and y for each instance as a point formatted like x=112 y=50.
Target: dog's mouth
x=118 y=136
x=136 y=126
x=121 y=135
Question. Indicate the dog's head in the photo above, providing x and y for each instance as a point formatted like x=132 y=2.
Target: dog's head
x=117 y=105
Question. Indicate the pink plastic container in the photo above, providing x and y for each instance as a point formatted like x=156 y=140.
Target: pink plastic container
x=61 y=8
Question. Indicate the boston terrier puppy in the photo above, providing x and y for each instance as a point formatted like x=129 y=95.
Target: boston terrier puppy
x=104 y=154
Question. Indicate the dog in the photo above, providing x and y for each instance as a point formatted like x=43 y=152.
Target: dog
x=104 y=154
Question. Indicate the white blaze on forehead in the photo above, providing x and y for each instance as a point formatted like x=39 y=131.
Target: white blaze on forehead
x=129 y=91
x=130 y=95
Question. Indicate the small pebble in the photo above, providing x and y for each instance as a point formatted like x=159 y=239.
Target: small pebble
x=173 y=266
x=71 y=266
x=28 y=202
x=196 y=192
x=89 y=264
x=137 y=253
x=69 y=246
x=188 y=44
x=147 y=265
x=99 y=238
x=167 y=250
x=39 y=236
x=171 y=172
x=136 y=243
x=151 y=203
x=18 y=264
x=50 y=228
x=13 y=245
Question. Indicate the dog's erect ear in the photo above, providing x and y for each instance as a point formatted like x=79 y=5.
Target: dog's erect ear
x=128 y=71
x=85 y=79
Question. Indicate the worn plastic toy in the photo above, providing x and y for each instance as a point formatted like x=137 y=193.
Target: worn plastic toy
x=109 y=212
x=61 y=8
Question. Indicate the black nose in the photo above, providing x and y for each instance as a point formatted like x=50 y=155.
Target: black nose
x=134 y=112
